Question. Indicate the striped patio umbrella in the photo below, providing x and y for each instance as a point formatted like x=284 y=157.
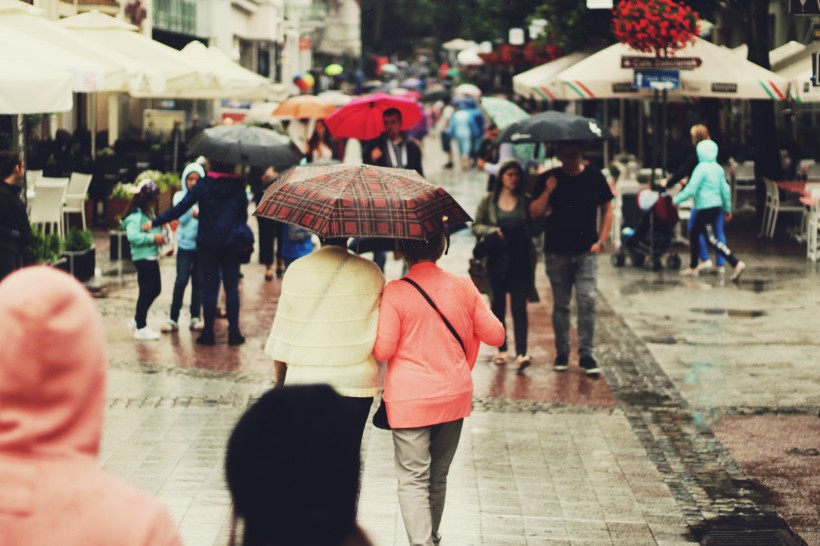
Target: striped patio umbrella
x=361 y=201
x=502 y=112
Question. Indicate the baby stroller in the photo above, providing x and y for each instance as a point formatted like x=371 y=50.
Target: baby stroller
x=651 y=235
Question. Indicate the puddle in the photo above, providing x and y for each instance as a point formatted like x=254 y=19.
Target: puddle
x=731 y=313
x=809 y=452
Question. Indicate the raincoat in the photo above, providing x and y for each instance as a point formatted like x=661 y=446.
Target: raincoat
x=707 y=185
x=52 y=395
x=188 y=225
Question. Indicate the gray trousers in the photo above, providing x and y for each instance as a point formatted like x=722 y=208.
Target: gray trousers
x=423 y=457
x=564 y=272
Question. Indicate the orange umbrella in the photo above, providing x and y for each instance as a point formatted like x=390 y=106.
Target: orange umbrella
x=305 y=107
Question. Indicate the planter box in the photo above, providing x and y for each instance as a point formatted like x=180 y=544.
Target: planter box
x=165 y=201
x=120 y=248
x=82 y=263
x=115 y=211
x=61 y=264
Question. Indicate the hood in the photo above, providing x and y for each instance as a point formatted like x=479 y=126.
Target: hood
x=52 y=366
x=707 y=151
x=191 y=168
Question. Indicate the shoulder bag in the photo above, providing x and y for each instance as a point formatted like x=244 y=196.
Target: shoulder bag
x=380 y=417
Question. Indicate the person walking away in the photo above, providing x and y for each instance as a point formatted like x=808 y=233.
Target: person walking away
x=443 y=124
x=428 y=388
x=325 y=326
x=295 y=242
x=488 y=153
x=52 y=385
x=222 y=238
x=699 y=133
x=461 y=129
x=322 y=147
x=187 y=256
x=15 y=231
x=477 y=126
x=270 y=231
x=569 y=198
x=292 y=468
x=145 y=254
x=502 y=224
x=709 y=189
x=393 y=149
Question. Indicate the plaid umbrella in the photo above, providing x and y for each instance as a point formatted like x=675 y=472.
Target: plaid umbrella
x=246 y=145
x=361 y=201
x=503 y=112
x=361 y=118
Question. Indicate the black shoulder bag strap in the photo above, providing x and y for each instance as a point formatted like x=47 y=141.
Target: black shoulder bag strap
x=433 y=305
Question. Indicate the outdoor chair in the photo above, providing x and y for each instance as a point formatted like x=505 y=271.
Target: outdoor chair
x=47 y=207
x=813 y=228
x=813 y=172
x=743 y=180
x=76 y=194
x=774 y=206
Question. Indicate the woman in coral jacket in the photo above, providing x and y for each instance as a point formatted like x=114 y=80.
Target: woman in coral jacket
x=52 y=395
x=428 y=387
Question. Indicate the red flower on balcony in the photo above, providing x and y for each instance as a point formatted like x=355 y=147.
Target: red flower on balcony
x=654 y=26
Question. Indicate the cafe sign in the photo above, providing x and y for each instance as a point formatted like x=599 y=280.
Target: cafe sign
x=673 y=63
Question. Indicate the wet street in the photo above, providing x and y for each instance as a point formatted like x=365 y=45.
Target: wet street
x=703 y=427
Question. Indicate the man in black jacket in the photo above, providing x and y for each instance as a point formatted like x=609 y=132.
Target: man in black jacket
x=393 y=148
x=15 y=231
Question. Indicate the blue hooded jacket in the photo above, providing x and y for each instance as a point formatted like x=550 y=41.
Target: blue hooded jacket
x=707 y=185
x=188 y=225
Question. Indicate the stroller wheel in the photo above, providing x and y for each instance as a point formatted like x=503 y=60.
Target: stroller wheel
x=618 y=259
x=673 y=261
x=638 y=260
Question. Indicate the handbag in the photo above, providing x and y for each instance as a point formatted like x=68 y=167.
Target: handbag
x=479 y=276
x=380 y=417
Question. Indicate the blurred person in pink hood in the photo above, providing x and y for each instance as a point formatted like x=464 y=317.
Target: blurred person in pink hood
x=52 y=393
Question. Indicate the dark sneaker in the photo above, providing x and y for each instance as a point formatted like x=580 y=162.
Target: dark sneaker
x=236 y=339
x=589 y=365
x=206 y=338
x=561 y=363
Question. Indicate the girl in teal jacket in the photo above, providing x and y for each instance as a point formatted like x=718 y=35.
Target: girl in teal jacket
x=145 y=253
x=710 y=191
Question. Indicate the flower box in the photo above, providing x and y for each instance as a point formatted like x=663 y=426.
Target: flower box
x=82 y=263
x=115 y=210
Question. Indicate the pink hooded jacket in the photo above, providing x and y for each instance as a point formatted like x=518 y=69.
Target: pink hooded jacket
x=52 y=388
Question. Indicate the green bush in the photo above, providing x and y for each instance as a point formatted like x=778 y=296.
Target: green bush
x=164 y=181
x=44 y=249
x=121 y=190
x=77 y=240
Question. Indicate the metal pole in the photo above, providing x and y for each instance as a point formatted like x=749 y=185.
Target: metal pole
x=655 y=111
x=606 y=125
x=664 y=122
x=93 y=108
x=622 y=135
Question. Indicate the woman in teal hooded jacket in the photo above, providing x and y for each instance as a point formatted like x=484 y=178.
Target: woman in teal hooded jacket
x=710 y=191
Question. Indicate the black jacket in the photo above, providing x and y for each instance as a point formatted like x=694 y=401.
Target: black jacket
x=15 y=231
x=413 y=154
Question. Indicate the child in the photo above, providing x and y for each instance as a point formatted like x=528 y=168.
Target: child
x=187 y=256
x=710 y=191
x=145 y=253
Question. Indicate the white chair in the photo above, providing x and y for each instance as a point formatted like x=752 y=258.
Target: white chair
x=813 y=172
x=743 y=180
x=75 y=195
x=813 y=228
x=47 y=207
x=774 y=206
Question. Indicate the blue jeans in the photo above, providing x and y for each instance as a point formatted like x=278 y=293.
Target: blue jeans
x=719 y=233
x=187 y=268
x=219 y=265
x=564 y=272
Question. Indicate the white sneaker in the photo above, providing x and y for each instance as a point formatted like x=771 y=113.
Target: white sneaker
x=197 y=324
x=738 y=271
x=721 y=270
x=705 y=266
x=132 y=324
x=146 y=334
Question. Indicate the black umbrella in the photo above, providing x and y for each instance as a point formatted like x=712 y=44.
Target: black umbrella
x=246 y=145
x=433 y=96
x=553 y=127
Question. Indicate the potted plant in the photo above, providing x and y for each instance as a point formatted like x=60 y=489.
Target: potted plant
x=118 y=203
x=81 y=254
x=45 y=249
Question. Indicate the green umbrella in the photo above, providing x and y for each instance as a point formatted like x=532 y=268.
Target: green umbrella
x=334 y=69
x=502 y=112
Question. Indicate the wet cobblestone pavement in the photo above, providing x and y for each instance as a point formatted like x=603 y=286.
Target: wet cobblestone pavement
x=704 y=427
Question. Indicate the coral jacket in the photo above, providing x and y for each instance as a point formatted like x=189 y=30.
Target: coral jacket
x=428 y=379
x=52 y=394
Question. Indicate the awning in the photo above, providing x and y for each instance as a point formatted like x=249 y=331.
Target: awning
x=539 y=83
x=31 y=82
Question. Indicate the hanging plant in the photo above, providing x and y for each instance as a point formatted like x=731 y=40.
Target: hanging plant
x=654 y=26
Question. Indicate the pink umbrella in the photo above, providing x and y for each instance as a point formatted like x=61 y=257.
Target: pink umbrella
x=361 y=118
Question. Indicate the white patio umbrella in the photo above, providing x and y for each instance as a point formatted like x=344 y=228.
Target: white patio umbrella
x=458 y=44
x=335 y=97
x=469 y=57
x=722 y=75
x=540 y=83
x=31 y=83
x=799 y=74
x=777 y=55
x=159 y=64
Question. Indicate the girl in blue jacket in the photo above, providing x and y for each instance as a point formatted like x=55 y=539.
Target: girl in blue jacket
x=710 y=191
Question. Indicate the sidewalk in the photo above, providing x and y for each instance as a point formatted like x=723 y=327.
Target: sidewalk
x=701 y=429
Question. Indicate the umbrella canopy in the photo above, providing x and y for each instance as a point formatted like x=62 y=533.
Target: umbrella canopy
x=467 y=90
x=362 y=117
x=433 y=96
x=553 y=127
x=539 y=83
x=389 y=68
x=469 y=57
x=797 y=69
x=30 y=83
x=231 y=81
x=412 y=83
x=305 y=107
x=458 y=44
x=334 y=69
x=361 y=201
x=336 y=98
x=722 y=74
x=503 y=112
x=246 y=145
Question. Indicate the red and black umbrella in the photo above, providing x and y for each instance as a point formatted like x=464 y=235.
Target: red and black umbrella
x=361 y=201
x=361 y=118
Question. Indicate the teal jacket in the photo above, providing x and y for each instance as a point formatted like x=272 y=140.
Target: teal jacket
x=707 y=185
x=188 y=225
x=142 y=243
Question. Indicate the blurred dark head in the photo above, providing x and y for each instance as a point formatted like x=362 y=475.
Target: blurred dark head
x=292 y=468
x=415 y=251
x=222 y=167
x=392 y=122
x=514 y=167
x=9 y=161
